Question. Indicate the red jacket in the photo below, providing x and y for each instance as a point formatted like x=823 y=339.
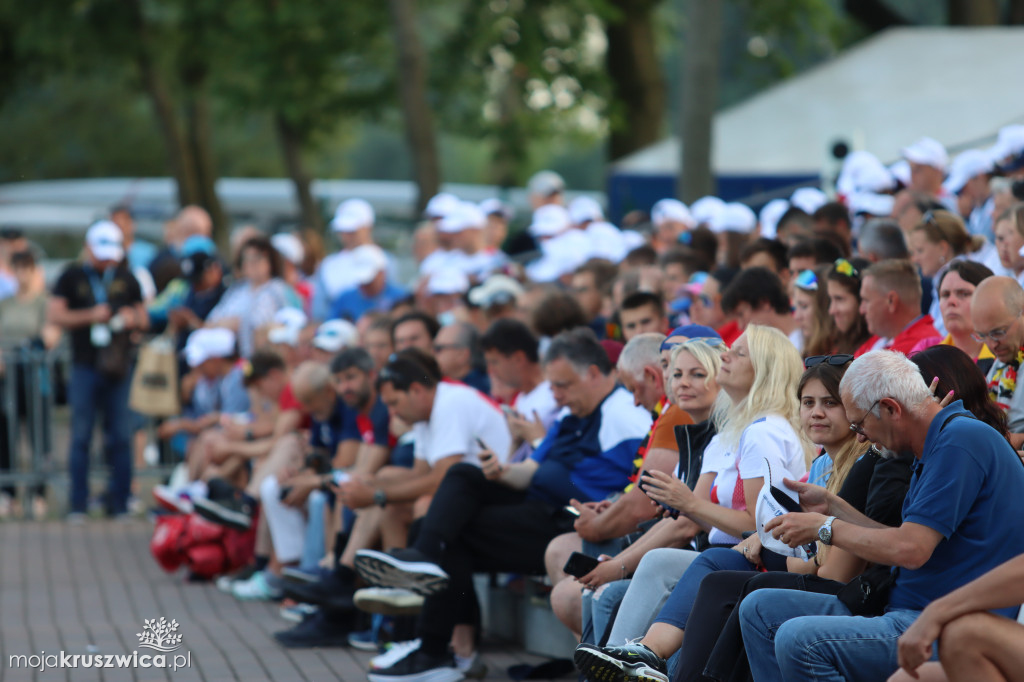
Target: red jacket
x=921 y=328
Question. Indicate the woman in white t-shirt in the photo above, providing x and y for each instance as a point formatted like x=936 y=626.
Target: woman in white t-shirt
x=758 y=420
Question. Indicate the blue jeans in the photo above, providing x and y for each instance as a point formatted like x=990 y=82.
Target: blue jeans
x=676 y=610
x=597 y=613
x=313 y=549
x=796 y=636
x=89 y=391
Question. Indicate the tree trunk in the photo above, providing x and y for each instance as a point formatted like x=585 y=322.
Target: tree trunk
x=510 y=154
x=1015 y=15
x=875 y=15
x=178 y=155
x=197 y=117
x=412 y=92
x=973 y=13
x=702 y=52
x=639 y=89
x=291 y=149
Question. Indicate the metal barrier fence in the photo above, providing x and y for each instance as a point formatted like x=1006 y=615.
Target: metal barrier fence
x=35 y=424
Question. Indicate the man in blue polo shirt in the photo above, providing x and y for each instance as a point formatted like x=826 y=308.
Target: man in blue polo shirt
x=959 y=521
x=501 y=517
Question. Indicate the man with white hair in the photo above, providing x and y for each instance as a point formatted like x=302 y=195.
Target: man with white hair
x=957 y=524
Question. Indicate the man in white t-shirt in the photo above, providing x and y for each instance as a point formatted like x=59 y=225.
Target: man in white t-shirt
x=512 y=355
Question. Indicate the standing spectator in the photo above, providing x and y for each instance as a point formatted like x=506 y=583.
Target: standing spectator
x=9 y=244
x=99 y=302
x=252 y=302
x=139 y=253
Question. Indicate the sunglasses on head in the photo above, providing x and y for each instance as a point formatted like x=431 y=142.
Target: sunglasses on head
x=807 y=280
x=845 y=267
x=837 y=360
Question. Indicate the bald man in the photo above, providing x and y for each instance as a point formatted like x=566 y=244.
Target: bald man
x=996 y=310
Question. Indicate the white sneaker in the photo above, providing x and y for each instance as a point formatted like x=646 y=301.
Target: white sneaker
x=396 y=652
x=172 y=500
x=472 y=668
x=255 y=588
x=389 y=601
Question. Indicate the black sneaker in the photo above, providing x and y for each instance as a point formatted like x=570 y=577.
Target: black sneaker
x=634 y=661
x=236 y=511
x=408 y=568
x=335 y=591
x=317 y=630
x=419 y=667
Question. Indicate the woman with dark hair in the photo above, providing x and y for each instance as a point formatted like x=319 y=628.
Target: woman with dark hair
x=810 y=310
x=960 y=379
x=844 y=304
x=956 y=288
x=252 y=301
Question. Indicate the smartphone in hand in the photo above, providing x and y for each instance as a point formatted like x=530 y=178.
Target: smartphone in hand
x=640 y=484
x=580 y=564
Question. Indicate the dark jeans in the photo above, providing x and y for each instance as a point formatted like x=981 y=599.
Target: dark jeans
x=715 y=649
x=478 y=525
x=88 y=392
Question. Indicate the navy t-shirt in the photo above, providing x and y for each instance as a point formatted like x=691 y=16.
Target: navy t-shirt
x=968 y=486
x=371 y=429
x=328 y=434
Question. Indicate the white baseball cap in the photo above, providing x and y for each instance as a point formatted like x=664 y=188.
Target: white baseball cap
x=464 y=216
x=352 y=215
x=440 y=205
x=808 y=199
x=671 y=210
x=606 y=241
x=366 y=261
x=927 y=152
x=561 y=256
x=870 y=203
x=734 y=217
x=496 y=289
x=546 y=183
x=209 y=342
x=863 y=172
x=770 y=215
x=1010 y=142
x=549 y=220
x=497 y=207
x=105 y=241
x=289 y=246
x=448 y=281
x=288 y=325
x=333 y=335
x=705 y=209
x=966 y=166
x=901 y=171
x=585 y=210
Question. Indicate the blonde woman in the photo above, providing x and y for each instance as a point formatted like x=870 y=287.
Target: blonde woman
x=758 y=419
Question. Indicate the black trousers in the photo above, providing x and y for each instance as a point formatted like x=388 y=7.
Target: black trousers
x=478 y=525
x=713 y=646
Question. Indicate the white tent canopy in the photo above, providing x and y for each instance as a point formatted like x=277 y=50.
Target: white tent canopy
x=957 y=85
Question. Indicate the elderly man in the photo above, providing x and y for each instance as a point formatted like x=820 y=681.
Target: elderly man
x=890 y=301
x=956 y=526
x=99 y=302
x=996 y=310
x=502 y=517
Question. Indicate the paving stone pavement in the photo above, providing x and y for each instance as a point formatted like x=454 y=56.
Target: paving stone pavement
x=87 y=589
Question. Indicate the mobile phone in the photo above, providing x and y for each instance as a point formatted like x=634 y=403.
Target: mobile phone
x=285 y=492
x=580 y=564
x=482 y=445
x=508 y=411
x=640 y=484
x=571 y=510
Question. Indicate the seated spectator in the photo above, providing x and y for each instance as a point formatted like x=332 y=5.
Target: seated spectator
x=882 y=239
x=457 y=349
x=642 y=313
x=353 y=224
x=757 y=296
x=832 y=222
x=330 y=338
x=289 y=247
x=707 y=305
x=186 y=301
x=810 y=312
x=497 y=298
x=810 y=253
x=591 y=285
x=767 y=253
x=372 y=290
x=890 y=301
x=501 y=518
x=414 y=330
x=678 y=266
x=251 y=302
x=376 y=339
x=996 y=311
x=967 y=477
x=956 y=289
x=1009 y=230
x=851 y=329
x=557 y=312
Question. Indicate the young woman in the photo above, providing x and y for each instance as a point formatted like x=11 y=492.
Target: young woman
x=823 y=420
x=758 y=422
x=935 y=242
x=956 y=288
x=843 y=288
x=1009 y=231
x=810 y=310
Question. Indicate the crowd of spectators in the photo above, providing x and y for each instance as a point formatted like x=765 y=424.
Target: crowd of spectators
x=616 y=410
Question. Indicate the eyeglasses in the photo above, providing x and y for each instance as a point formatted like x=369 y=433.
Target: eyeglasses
x=857 y=427
x=845 y=267
x=438 y=347
x=837 y=360
x=807 y=280
x=997 y=334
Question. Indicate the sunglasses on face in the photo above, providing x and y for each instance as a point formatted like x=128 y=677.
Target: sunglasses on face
x=837 y=360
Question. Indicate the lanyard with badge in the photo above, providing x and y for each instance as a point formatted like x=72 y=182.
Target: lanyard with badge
x=100 y=333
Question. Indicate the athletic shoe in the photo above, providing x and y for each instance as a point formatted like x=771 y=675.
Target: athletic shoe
x=226 y=582
x=365 y=640
x=419 y=666
x=299 y=575
x=296 y=613
x=472 y=668
x=172 y=500
x=234 y=512
x=395 y=651
x=390 y=601
x=408 y=568
x=334 y=591
x=316 y=631
x=256 y=588
x=620 y=663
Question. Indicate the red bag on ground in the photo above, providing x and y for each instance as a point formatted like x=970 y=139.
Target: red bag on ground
x=166 y=542
x=208 y=560
x=208 y=549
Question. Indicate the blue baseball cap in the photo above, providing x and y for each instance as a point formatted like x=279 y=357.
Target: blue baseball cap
x=198 y=244
x=690 y=331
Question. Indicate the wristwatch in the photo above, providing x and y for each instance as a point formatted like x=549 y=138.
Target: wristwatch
x=825 y=532
x=379 y=498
